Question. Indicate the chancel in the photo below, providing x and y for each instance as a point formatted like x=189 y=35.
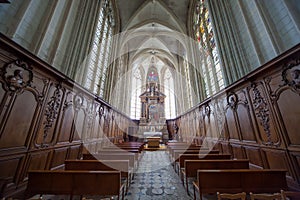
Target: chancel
x=153 y=120
x=149 y=99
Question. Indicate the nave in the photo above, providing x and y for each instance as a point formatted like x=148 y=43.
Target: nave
x=156 y=179
x=204 y=173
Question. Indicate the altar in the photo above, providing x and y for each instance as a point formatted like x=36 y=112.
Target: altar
x=153 y=121
x=153 y=134
x=153 y=142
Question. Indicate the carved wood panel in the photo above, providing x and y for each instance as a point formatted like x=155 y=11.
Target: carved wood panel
x=10 y=172
x=262 y=113
x=74 y=152
x=43 y=115
x=279 y=159
x=58 y=158
x=238 y=151
x=295 y=157
x=18 y=126
x=254 y=156
x=265 y=120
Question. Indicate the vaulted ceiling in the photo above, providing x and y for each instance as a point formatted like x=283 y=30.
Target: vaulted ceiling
x=153 y=29
x=129 y=8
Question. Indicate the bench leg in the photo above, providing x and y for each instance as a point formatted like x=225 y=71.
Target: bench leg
x=187 y=185
x=127 y=185
x=194 y=192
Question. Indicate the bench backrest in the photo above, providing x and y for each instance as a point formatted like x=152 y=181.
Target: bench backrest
x=73 y=182
x=183 y=157
x=111 y=156
x=119 y=150
x=177 y=153
x=191 y=166
x=241 y=180
x=99 y=165
x=172 y=149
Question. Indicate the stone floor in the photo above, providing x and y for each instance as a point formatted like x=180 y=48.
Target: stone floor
x=156 y=179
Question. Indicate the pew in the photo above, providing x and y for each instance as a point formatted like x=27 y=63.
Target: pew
x=116 y=150
x=103 y=183
x=239 y=180
x=113 y=156
x=177 y=153
x=178 y=147
x=102 y=165
x=191 y=166
x=125 y=148
x=183 y=157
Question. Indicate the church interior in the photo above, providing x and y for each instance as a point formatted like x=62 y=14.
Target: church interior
x=149 y=99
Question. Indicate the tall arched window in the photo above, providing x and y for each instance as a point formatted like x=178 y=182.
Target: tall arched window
x=188 y=93
x=101 y=50
x=210 y=64
x=136 y=91
x=168 y=83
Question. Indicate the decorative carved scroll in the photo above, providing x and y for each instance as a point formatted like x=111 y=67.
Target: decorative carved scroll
x=51 y=111
x=101 y=111
x=78 y=102
x=262 y=112
x=232 y=100
x=291 y=75
x=90 y=114
x=207 y=110
x=16 y=76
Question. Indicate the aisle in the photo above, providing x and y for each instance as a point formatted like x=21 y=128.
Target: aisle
x=156 y=179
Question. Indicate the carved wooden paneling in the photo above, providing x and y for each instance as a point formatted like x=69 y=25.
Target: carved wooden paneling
x=226 y=147
x=19 y=121
x=290 y=115
x=74 y=152
x=262 y=113
x=231 y=124
x=268 y=132
x=36 y=161
x=243 y=116
x=295 y=156
x=58 y=158
x=10 y=168
x=254 y=156
x=46 y=132
x=43 y=115
x=282 y=86
x=278 y=159
x=238 y=151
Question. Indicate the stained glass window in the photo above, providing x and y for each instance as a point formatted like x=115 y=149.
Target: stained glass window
x=211 y=69
x=101 y=50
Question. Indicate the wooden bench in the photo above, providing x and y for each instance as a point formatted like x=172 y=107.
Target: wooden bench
x=184 y=147
x=104 y=183
x=114 y=156
x=177 y=153
x=183 y=157
x=191 y=166
x=239 y=180
x=139 y=146
x=125 y=149
x=102 y=165
x=121 y=151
